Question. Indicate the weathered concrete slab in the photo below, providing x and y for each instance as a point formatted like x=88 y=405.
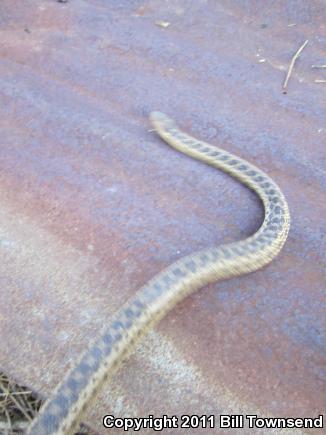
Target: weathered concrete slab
x=93 y=204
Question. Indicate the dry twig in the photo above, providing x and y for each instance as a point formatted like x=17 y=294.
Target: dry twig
x=18 y=405
x=294 y=58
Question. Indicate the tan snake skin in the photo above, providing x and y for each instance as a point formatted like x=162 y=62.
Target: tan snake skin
x=63 y=410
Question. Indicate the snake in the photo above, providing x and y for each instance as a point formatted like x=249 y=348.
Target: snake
x=62 y=412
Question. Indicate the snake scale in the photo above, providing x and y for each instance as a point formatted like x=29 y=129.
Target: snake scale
x=62 y=412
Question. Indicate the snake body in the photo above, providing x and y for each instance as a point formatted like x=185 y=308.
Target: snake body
x=62 y=412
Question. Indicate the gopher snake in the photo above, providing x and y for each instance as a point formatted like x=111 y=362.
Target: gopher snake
x=61 y=412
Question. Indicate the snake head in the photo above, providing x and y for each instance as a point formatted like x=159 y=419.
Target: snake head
x=160 y=121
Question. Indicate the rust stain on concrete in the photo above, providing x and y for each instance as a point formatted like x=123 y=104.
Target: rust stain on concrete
x=93 y=204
